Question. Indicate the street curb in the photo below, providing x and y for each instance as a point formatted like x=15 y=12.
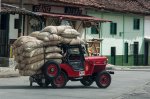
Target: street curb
x=128 y=68
x=7 y=72
x=9 y=75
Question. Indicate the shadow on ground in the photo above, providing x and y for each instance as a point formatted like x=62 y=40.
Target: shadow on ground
x=49 y=87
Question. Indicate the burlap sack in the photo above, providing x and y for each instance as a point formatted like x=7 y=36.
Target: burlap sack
x=54 y=37
x=37 y=65
x=43 y=36
x=28 y=72
x=66 y=40
x=59 y=61
x=34 y=34
x=35 y=52
x=31 y=45
x=28 y=46
x=70 y=33
x=38 y=51
x=33 y=59
x=51 y=43
x=34 y=66
x=53 y=49
x=19 y=58
x=50 y=29
x=61 y=29
x=68 y=36
x=18 y=50
x=77 y=41
x=53 y=56
x=22 y=40
x=20 y=66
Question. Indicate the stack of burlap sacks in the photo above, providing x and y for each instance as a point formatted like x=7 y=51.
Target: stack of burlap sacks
x=40 y=46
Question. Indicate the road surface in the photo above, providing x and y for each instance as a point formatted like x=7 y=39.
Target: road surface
x=125 y=85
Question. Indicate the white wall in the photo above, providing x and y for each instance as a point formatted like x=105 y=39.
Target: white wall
x=13 y=33
x=147 y=26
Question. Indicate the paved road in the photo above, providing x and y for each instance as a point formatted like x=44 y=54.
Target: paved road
x=125 y=85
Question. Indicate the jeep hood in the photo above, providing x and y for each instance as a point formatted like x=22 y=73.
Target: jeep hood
x=97 y=60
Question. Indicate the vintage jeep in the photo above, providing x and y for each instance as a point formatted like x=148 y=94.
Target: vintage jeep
x=76 y=66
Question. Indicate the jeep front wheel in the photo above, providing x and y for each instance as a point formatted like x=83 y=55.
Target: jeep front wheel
x=103 y=79
x=60 y=81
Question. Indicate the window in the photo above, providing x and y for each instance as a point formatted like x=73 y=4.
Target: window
x=3 y=23
x=73 y=10
x=94 y=29
x=136 y=24
x=113 y=28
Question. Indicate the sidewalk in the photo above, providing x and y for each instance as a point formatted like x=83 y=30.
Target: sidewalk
x=127 y=68
x=6 y=72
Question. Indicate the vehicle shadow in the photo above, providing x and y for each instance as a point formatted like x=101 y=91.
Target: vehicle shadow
x=49 y=87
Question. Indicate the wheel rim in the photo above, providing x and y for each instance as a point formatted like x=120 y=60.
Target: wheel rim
x=59 y=81
x=52 y=70
x=104 y=80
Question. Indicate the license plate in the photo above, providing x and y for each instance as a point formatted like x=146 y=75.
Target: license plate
x=81 y=73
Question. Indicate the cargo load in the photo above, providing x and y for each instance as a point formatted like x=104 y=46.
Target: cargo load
x=40 y=46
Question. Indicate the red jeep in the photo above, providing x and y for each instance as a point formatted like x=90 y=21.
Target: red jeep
x=76 y=66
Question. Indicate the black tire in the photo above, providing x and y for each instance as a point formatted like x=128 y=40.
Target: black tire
x=40 y=84
x=103 y=79
x=60 y=81
x=51 y=69
x=43 y=85
x=88 y=81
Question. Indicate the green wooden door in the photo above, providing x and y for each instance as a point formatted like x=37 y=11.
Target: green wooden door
x=113 y=55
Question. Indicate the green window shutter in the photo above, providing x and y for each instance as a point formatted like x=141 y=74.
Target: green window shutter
x=113 y=28
x=136 y=24
x=94 y=30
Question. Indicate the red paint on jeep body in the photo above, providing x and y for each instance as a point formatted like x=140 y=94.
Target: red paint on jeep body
x=92 y=64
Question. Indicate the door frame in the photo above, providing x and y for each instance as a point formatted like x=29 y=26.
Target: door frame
x=5 y=43
x=135 y=53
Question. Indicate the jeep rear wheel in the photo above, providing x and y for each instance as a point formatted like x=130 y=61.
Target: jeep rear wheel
x=88 y=81
x=103 y=79
x=51 y=69
x=60 y=81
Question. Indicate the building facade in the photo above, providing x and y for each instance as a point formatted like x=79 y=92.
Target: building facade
x=125 y=40
x=22 y=18
x=122 y=38
x=10 y=29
